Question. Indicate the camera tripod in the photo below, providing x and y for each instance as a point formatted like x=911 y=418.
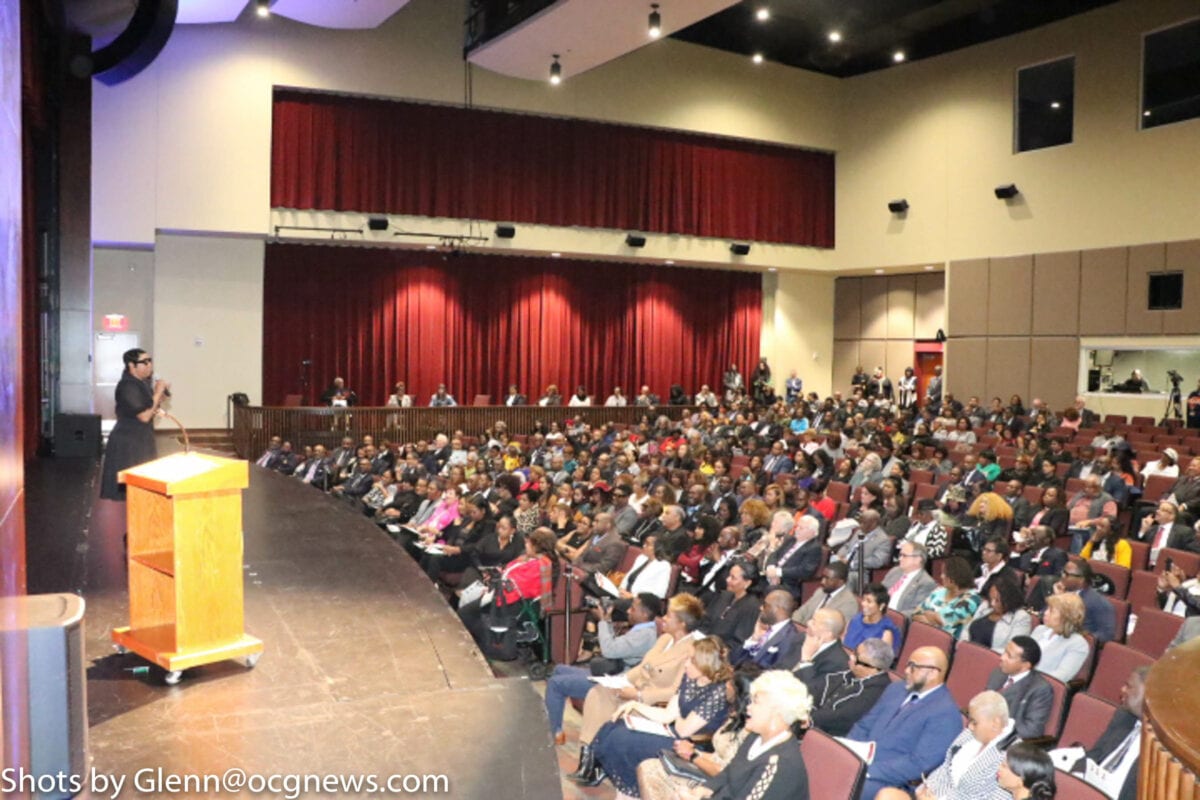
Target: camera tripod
x=1174 y=408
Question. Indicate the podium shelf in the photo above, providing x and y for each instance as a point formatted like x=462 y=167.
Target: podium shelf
x=161 y=561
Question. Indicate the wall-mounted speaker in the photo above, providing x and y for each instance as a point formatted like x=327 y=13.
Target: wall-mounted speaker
x=1007 y=192
x=377 y=223
x=898 y=206
x=506 y=231
x=634 y=240
x=739 y=249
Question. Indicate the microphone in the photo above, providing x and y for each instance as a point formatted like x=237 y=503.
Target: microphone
x=166 y=392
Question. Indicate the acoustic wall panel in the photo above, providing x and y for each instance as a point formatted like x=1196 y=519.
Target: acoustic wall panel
x=1010 y=296
x=845 y=359
x=847 y=302
x=1102 y=280
x=1007 y=367
x=1143 y=260
x=874 y=308
x=898 y=355
x=967 y=297
x=930 y=312
x=966 y=359
x=1055 y=294
x=871 y=354
x=901 y=306
x=1054 y=370
x=1185 y=256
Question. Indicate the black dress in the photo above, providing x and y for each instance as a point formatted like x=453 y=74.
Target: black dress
x=131 y=441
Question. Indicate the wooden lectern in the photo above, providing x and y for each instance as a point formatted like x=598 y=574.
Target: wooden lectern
x=185 y=562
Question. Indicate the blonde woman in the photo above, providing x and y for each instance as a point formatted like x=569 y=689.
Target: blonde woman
x=994 y=516
x=1064 y=649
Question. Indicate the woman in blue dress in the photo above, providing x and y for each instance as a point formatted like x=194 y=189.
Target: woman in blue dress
x=872 y=621
x=697 y=709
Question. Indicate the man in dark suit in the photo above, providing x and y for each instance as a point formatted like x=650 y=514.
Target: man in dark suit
x=776 y=642
x=912 y=725
x=844 y=697
x=822 y=653
x=1042 y=557
x=1186 y=491
x=515 y=398
x=1027 y=693
x=1164 y=530
x=777 y=460
x=1022 y=509
x=1116 y=748
x=606 y=548
x=315 y=471
x=834 y=593
x=797 y=559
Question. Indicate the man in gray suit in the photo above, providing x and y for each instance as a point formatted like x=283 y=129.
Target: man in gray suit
x=1027 y=693
x=604 y=550
x=909 y=584
x=877 y=547
x=834 y=593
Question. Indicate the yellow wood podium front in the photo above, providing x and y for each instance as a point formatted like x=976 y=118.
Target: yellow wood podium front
x=184 y=518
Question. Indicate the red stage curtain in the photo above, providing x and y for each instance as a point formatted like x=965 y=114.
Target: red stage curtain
x=356 y=154
x=481 y=322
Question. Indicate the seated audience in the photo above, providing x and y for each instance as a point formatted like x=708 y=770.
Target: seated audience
x=775 y=643
x=1001 y=616
x=797 y=558
x=843 y=698
x=1177 y=593
x=1117 y=752
x=1027 y=693
x=1106 y=543
x=1027 y=773
x=733 y=614
x=950 y=606
x=822 y=653
x=833 y=593
x=494 y=621
x=1064 y=650
x=908 y=584
x=872 y=622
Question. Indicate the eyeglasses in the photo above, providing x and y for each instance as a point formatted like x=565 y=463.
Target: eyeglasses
x=909 y=555
x=144 y=361
x=915 y=665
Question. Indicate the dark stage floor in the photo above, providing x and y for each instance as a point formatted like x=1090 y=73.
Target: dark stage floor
x=366 y=669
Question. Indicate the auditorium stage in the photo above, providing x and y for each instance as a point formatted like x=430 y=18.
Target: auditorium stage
x=366 y=669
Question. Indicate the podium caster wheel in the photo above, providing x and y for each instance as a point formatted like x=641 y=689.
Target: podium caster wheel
x=252 y=660
x=173 y=677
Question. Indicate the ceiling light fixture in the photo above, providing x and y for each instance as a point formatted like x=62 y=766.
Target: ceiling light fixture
x=669 y=262
x=655 y=22
x=1056 y=105
x=262 y=8
x=757 y=58
x=898 y=56
x=835 y=36
x=763 y=14
x=1146 y=113
x=555 y=71
x=878 y=272
x=556 y=255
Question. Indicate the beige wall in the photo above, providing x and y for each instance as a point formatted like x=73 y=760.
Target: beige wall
x=1014 y=323
x=798 y=328
x=877 y=320
x=939 y=133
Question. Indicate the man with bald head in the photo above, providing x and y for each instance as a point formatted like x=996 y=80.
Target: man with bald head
x=776 y=642
x=822 y=653
x=912 y=725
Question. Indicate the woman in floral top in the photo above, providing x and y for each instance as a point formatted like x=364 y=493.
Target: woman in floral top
x=954 y=604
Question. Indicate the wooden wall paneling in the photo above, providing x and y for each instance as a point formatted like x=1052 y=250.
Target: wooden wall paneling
x=1102 y=285
x=874 y=308
x=901 y=306
x=1055 y=294
x=871 y=354
x=1185 y=256
x=847 y=316
x=1007 y=368
x=1010 y=296
x=930 y=312
x=965 y=362
x=1143 y=259
x=845 y=359
x=1054 y=370
x=898 y=355
x=966 y=297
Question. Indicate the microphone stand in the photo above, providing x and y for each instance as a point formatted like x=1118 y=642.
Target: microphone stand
x=859 y=548
x=187 y=447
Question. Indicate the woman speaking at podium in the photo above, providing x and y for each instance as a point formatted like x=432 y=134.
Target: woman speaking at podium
x=132 y=439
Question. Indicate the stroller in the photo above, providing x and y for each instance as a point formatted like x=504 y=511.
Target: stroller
x=516 y=630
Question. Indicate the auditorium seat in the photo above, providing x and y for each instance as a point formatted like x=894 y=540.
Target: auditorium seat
x=1114 y=572
x=1088 y=718
x=1187 y=561
x=921 y=634
x=834 y=772
x=1147 y=421
x=838 y=492
x=1115 y=419
x=1085 y=670
x=1141 y=555
x=1061 y=470
x=919 y=476
x=1116 y=662
x=631 y=554
x=1033 y=494
x=1074 y=486
x=1157 y=486
x=482 y=400
x=1058 y=710
x=923 y=491
x=1154 y=632
x=1143 y=591
x=968 y=676
x=1121 y=611
x=1071 y=787
x=900 y=621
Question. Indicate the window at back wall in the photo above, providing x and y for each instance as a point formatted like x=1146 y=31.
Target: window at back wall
x=1171 y=75
x=1045 y=106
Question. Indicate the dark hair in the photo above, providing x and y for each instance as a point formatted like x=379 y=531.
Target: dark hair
x=132 y=356
x=749 y=568
x=508 y=481
x=711 y=526
x=1008 y=586
x=1085 y=569
x=743 y=676
x=880 y=593
x=1031 y=651
x=1001 y=545
x=652 y=603
x=1035 y=769
x=959 y=571
x=839 y=568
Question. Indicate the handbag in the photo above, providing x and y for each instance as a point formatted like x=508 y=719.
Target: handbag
x=680 y=767
x=472 y=593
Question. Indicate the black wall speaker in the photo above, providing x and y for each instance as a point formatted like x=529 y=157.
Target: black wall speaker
x=1007 y=192
x=377 y=223
x=506 y=231
x=898 y=206
x=739 y=249
x=633 y=240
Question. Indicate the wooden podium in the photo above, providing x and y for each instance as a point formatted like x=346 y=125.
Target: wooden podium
x=184 y=545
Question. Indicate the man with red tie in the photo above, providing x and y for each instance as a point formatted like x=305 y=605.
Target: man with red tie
x=1163 y=531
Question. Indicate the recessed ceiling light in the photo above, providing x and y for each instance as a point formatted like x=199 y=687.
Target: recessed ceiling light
x=757 y=58
x=763 y=14
x=263 y=8
x=668 y=262
x=1146 y=113
x=930 y=268
x=878 y=272
x=555 y=71
x=556 y=255
x=655 y=29
x=1056 y=105
x=835 y=36
x=898 y=56
x=431 y=247
x=772 y=269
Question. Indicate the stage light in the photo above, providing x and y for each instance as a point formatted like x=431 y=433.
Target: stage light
x=262 y=8
x=655 y=22
x=835 y=36
x=555 y=71
x=763 y=14
x=1056 y=105
x=898 y=56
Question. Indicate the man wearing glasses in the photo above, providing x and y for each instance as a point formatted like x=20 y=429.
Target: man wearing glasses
x=132 y=439
x=911 y=726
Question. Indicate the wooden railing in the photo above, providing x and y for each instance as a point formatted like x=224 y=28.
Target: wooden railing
x=253 y=426
x=1170 y=756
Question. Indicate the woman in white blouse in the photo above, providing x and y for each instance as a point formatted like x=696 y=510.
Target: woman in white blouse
x=1064 y=649
x=649 y=573
x=907 y=388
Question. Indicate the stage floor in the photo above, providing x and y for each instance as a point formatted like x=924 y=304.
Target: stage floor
x=366 y=672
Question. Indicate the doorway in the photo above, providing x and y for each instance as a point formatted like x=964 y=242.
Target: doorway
x=926 y=356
